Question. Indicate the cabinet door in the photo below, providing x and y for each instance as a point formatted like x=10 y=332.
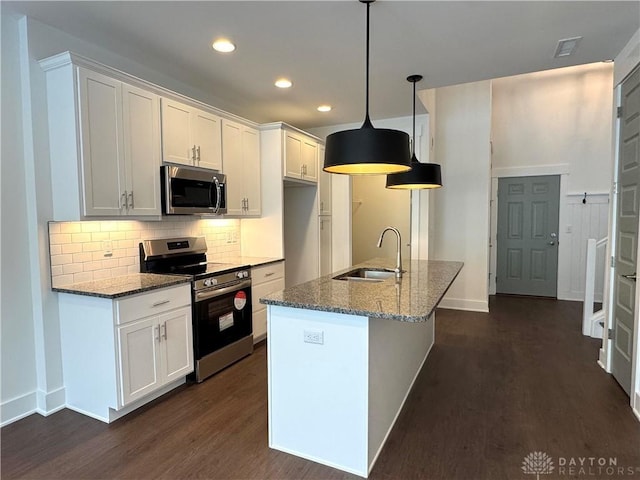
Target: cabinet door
x=176 y=338
x=251 y=171
x=141 y=126
x=138 y=344
x=325 y=246
x=310 y=160
x=177 y=145
x=324 y=185
x=292 y=155
x=232 y=153
x=208 y=140
x=100 y=99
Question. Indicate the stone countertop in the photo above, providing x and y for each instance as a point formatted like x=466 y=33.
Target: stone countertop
x=245 y=260
x=413 y=299
x=124 y=285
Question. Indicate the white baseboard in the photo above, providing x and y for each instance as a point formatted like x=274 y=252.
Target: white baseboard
x=17 y=408
x=577 y=297
x=50 y=402
x=636 y=407
x=464 y=304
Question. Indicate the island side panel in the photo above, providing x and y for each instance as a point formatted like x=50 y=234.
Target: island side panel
x=318 y=392
x=397 y=352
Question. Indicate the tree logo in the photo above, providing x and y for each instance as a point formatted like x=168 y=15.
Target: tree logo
x=537 y=463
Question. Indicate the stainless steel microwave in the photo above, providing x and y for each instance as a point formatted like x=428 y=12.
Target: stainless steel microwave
x=188 y=190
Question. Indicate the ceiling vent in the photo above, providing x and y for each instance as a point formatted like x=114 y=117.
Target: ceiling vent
x=567 y=47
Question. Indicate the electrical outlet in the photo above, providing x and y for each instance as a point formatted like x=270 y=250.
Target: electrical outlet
x=107 y=248
x=313 y=336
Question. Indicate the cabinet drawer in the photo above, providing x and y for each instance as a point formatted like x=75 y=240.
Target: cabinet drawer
x=264 y=289
x=152 y=303
x=266 y=273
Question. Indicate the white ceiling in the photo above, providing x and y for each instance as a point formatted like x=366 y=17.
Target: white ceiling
x=320 y=46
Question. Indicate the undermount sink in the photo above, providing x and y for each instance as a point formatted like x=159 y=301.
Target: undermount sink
x=366 y=275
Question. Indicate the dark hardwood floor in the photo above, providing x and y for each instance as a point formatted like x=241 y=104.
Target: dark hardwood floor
x=495 y=388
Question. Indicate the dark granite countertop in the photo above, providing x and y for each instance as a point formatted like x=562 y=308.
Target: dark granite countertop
x=123 y=286
x=412 y=299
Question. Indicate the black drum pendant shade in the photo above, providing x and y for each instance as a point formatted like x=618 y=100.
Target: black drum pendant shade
x=421 y=175
x=367 y=150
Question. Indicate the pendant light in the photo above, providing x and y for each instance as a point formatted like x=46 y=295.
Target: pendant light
x=421 y=175
x=367 y=150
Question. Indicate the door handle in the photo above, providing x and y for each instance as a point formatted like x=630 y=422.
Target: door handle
x=630 y=277
x=552 y=242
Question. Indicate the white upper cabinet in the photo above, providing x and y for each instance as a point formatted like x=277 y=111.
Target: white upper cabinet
x=241 y=154
x=141 y=135
x=190 y=136
x=100 y=99
x=324 y=185
x=300 y=157
x=104 y=138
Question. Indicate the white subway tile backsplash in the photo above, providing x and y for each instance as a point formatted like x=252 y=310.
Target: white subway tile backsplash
x=77 y=249
x=71 y=247
x=90 y=227
x=82 y=277
x=82 y=257
x=80 y=237
x=70 y=227
x=61 y=259
x=59 y=238
x=99 y=236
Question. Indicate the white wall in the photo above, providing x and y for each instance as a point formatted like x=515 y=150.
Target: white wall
x=375 y=207
x=17 y=350
x=559 y=122
x=461 y=208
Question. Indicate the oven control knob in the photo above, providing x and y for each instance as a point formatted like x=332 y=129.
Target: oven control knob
x=242 y=274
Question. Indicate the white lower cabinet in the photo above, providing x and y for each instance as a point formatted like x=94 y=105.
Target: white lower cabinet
x=153 y=352
x=265 y=279
x=120 y=354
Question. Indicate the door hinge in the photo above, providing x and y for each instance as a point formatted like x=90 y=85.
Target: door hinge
x=619 y=112
x=610 y=334
x=615 y=188
x=613 y=262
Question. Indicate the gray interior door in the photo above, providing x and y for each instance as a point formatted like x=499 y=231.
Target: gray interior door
x=528 y=235
x=626 y=232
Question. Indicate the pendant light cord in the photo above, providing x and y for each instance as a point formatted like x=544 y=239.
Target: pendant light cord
x=413 y=138
x=367 y=120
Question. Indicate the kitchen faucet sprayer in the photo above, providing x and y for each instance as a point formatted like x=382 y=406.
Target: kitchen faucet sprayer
x=398 y=268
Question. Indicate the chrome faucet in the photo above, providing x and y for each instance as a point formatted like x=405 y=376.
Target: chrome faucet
x=398 y=268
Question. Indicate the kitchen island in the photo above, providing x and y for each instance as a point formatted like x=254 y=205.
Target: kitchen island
x=343 y=356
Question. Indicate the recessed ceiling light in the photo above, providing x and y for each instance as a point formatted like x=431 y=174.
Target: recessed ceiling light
x=567 y=47
x=223 y=45
x=283 y=83
x=324 y=108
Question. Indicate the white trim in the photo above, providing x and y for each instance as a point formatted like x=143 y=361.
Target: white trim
x=465 y=304
x=531 y=170
x=17 y=408
x=636 y=408
x=50 y=402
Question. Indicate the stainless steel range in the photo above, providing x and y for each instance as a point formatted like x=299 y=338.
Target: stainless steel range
x=221 y=300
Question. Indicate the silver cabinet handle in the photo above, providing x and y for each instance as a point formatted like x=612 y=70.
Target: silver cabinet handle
x=630 y=277
x=156 y=333
x=198 y=151
x=269 y=274
x=130 y=202
x=163 y=302
x=193 y=154
x=123 y=200
x=163 y=327
x=322 y=206
x=246 y=204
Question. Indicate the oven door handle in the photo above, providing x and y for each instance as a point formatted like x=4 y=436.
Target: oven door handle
x=216 y=292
